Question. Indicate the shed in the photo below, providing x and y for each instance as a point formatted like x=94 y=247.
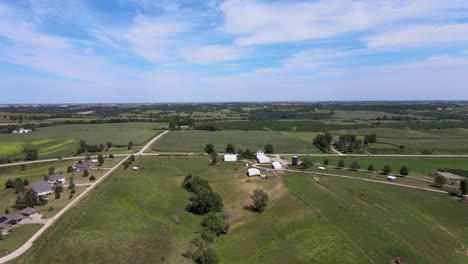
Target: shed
x=294 y=160
x=29 y=211
x=276 y=165
x=321 y=168
x=253 y=172
x=135 y=168
x=391 y=178
x=230 y=157
x=13 y=219
x=94 y=160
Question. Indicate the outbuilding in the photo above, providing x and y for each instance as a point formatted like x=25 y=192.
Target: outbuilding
x=391 y=178
x=321 y=168
x=230 y=157
x=56 y=179
x=29 y=212
x=276 y=165
x=82 y=166
x=261 y=157
x=253 y=172
x=94 y=160
x=135 y=168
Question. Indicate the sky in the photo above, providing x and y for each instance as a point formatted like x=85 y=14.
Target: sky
x=103 y=51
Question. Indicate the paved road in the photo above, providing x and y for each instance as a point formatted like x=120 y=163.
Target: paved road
x=18 y=252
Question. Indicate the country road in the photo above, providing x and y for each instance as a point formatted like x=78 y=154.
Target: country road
x=21 y=250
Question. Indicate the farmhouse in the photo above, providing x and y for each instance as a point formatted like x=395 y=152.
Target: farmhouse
x=276 y=165
x=230 y=157
x=261 y=158
x=56 y=179
x=253 y=172
x=41 y=188
x=29 y=212
x=82 y=166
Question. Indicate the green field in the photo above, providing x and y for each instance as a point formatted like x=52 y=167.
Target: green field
x=195 y=141
x=17 y=237
x=332 y=221
x=63 y=140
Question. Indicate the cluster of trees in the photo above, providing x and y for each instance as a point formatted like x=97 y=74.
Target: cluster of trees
x=208 y=203
x=370 y=139
x=84 y=147
x=404 y=171
x=128 y=162
x=349 y=143
x=30 y=152
x=323 y=141
x=24 y=196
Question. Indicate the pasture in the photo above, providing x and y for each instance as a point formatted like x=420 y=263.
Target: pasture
x=196 y=140
x=17 y=237
x=62 y=140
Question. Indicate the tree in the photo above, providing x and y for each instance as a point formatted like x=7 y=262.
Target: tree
x=326 y=162
x=83 y=146
x=355 y=165
x=92 y=178
x=371 y=168
x=230 y=149
x=30 y=152
x=214 y=158
x=100 y=159
x=132 y=158
x=70 y=169
x=387 y=169
x=323 y=141
x=259 y=200
x=204 y=202
x=130 y=145
x=404 y=171
x=341 y=163
x=463 y=186
x=213 y=223
x=85 y=173
x=26 y=182
x=206 y=256
x=109 y=144
x=439 y=181
x=209 y=148
x=269 y=149
x=9 y=184
x=7 y=211
x=51 y=170
x=18 y=184
x=111 y=156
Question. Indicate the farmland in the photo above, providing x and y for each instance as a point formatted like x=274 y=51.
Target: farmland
x=63 y=140
x=195 y=141
x=325 y=221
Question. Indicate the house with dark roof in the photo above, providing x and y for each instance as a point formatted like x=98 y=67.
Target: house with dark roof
x=56 y=179
x=82 y=166
x=41 y=188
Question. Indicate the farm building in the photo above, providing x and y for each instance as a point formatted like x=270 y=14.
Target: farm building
x=41 y=188
x=261 y=158
x=294 y=160
x=321 y=168
x=82 y=166
x=230 y=157
x=449 y=176
x=55 y=179
x=94 y=160
x=276 y=165
x=253 y=172
x=391 y=178
x=22 y=131
x=8 y=220
x=29 y=212
x=135 y=168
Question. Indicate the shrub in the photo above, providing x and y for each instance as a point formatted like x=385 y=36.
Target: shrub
x=259 y=200
x=92 y=178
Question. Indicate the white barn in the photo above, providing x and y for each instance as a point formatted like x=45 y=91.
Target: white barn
x=276 y=165
x=253 y=172
x=261 y=158
x=230 y=157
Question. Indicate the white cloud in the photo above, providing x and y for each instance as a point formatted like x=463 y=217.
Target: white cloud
x=212 y=54
x=259 y=22
x=421 y=35
x=149 y=36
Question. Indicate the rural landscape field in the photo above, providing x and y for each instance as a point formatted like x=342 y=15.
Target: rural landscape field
x=234 y=131
x=363 y=188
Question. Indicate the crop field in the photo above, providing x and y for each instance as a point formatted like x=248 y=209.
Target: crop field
x=386 y=222
x=63 y=139
x=195 y=141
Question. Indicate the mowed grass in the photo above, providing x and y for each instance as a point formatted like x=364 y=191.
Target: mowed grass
x=17 y=237
x=196 y=140
x=63 y=140
x=386 y=222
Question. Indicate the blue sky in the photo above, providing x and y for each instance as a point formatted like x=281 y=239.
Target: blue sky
x=97 y=51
